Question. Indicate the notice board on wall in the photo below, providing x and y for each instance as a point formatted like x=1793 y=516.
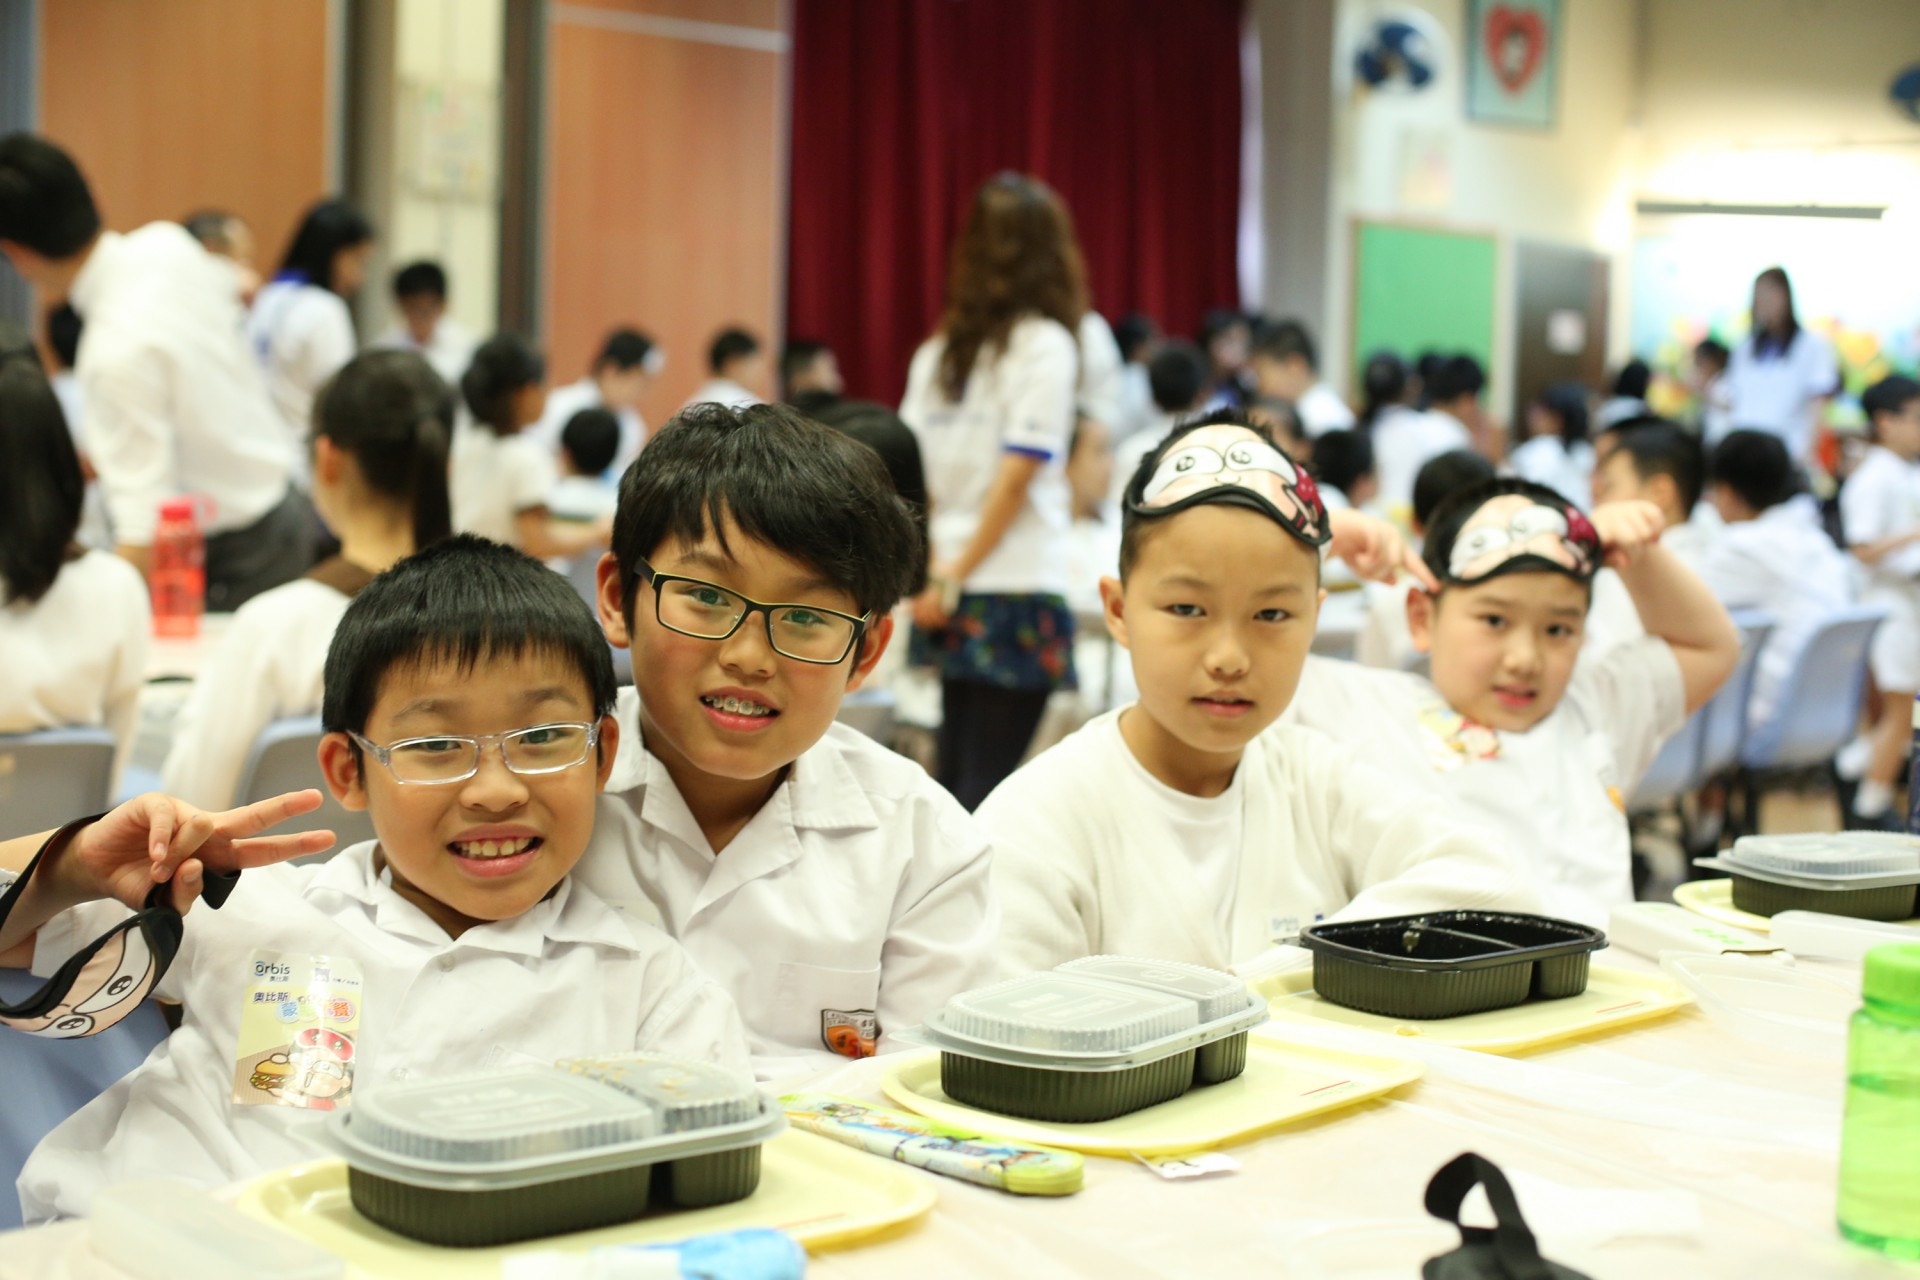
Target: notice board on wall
x=1419 y=289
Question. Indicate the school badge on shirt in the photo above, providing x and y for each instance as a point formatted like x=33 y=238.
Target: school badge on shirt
x=299 y=1022
x=851 y=1033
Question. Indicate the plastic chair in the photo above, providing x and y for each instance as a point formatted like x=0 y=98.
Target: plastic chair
x=49 y=1080
x=1819 y=704
x=1674 y=772
x=1726 y=714
x=52 y=776
x=284 y=759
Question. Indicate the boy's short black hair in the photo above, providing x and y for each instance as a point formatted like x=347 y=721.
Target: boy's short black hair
x=463 y=600
x=1176 y=375
x=1661 y=448
x=502 y=366
x=624 y=349
x=1217 y=321
x=1444 y=529
x=1133 y=331
x=1757 y=467
x=63 y=334
x=1634 y=380
x=1889 y=395
x=799 y=353
x=41 y=486
x=803 y=489
x=44 y=201
x=730 y=345
x=1714 y=353
x=1458 y=376
x=1343 y=458
x=213 y=228
x=591 y=439
x=1284 y=339
x=422 y=279
x=1135 y=527
x=1567 y=401
x=1443 y=476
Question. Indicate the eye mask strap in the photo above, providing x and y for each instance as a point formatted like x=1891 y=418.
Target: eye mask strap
x=95 y=972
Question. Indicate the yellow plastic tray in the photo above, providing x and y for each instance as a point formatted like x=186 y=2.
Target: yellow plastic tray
x=1714 y=900
x=1283 y=1082
x=1613 y=998
x=825 y=1195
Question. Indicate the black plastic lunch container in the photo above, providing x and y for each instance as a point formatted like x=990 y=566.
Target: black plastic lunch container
x=1447 y=963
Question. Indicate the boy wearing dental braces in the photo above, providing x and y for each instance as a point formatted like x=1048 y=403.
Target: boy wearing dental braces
x=1189 y=826
x=467 y=700
x=1507 y=730
x=835 y=890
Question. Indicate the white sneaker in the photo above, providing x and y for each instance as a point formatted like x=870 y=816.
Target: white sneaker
x=1851 y=761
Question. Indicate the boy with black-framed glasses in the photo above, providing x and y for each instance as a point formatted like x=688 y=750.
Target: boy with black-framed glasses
x=467 y=699
x=835 y=890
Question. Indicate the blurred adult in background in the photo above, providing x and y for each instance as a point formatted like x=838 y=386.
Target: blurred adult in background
x=991 y=397
x=622 y=370
x=175 y=402
x=300 y=327
x=1779 y=377
x=424 y=327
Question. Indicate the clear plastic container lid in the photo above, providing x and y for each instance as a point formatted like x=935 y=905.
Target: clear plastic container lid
x=1218 y=995
x=688 y=1095
x=503 y=1116
x=1055 y=1011
x=1845 y=853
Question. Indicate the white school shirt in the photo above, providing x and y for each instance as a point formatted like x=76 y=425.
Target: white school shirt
x=450 y=350
x=492 y=478
x=1880 y=500
x=1137 y=409
x=564 y=402
x=267 y=665
x=1567 y=470
x=1321 y=410
x=1781 y=393
x=1554 y=797
x=569 y=977
x=301 y=334
x=1404 y=440
x=176 y=402
x=858 y=893
x=1089 y=862
x=95 y=531
x=722 y=391
x=1101 y=391
x=78 y=654
x=1019 y=400
x=1783 y=563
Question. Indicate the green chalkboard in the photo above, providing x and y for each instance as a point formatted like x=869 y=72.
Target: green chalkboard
x=1417 y=289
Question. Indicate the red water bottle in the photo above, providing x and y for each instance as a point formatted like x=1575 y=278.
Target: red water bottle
x=177 y=571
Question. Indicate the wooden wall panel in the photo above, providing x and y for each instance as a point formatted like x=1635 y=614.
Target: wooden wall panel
x=665 y=207
x=173 y=105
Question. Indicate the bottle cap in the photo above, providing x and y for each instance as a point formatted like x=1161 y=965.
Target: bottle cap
x=177 y=509
x=1892 y=974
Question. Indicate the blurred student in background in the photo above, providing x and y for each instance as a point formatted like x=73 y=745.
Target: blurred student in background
x=420 y=295
x=622 y=371
x=735 y=366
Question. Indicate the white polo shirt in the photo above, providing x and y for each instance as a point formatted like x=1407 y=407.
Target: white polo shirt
x=1322 y=410
x=722 y=391
x=78 y=654
x=859 y=891
x=1018 y=401
x=570 y=977
x=1780 y=393
x=450 y=351
x=1102 y=388
x=301 y=334
x=1404 y=440
x=176 y=402
x=491 y=479
x=564 y=402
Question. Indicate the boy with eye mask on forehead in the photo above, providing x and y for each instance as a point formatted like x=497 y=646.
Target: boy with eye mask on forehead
x=1506 y=728
x=1184 y=827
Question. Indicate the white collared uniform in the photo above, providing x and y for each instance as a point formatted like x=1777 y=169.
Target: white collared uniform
x=176 y=403
x=78 y=654
x=1783 y=563
x=1102 y=390
x=722 y=391
x=1566 y=469
x=450 y=352
x=1880 y=500
x=860 y=889
x=1553 y=797
x=1782 y=393
x=1018 y=401
x=1321 y=410
x=491 y=479
x=570 y=977
x=1405 y=440
x=1093 y=855
x=268 y=664
x=301 y=334
x=564 y=402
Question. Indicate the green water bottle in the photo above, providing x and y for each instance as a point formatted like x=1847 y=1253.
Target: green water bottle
x=1880 y=1139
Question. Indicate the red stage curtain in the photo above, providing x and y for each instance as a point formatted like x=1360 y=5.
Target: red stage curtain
x=901 y=108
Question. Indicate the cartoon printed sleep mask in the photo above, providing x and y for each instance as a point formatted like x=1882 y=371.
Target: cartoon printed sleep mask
x=107 y=979
x=1510 y=532
x=1223 y=462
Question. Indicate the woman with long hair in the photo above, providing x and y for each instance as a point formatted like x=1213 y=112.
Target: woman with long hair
x=1781 y=374
x=991 y=397
x=300 y=326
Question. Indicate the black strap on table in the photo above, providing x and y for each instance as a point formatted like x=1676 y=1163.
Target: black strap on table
x=1507 y=1251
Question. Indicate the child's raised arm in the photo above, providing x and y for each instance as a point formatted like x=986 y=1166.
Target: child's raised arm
x=1674 y=604
x=1374 y=549
x=151 y=839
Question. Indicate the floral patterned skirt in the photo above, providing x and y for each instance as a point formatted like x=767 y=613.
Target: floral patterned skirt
x=1011 y=642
